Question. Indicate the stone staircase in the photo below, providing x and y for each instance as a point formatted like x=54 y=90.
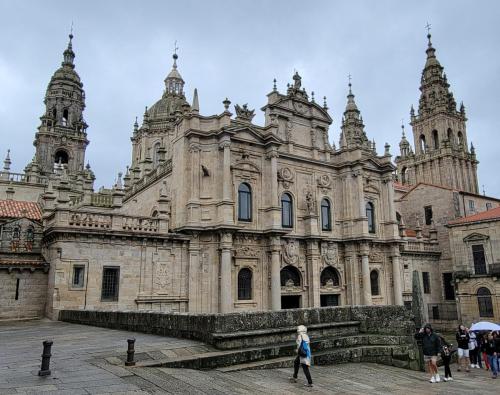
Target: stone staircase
x=326 y=351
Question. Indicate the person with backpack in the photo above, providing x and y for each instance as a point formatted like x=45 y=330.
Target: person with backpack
x=463 y=338
x=303 y=356
x=431 y=347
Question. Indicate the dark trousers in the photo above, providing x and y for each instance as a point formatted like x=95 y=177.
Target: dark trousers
x=446 y=363
x=473 y=356
x=305 y=368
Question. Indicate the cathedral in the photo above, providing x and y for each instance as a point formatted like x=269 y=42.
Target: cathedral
x=218 y=214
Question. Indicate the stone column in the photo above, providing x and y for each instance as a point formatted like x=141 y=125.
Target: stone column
x=226 y=173
x=396 y=276
x=313 y=261
x=362 y=209
x=365 y=270
x=194 y=149
x=194 y=297
x=273 y=155
x=275 y=273
x=226 y=287
x=392 y=209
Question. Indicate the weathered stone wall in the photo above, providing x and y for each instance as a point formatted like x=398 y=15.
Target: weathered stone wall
x=388 y=320
x=31 y=296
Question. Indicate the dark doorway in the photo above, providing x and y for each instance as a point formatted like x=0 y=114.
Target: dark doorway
x=330 y=300
x=290 y=302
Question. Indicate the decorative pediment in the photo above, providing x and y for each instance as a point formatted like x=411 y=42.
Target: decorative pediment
x=246 y=165
x=475 y=237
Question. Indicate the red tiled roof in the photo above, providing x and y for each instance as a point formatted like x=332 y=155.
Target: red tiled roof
x=410 y=233
x=494 y=213
x=18 y=209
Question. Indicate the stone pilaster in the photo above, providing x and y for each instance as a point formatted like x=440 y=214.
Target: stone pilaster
x=194 y=270
x=226 y=286
x=365 y=270
x=313 y=263
x=275 y=273
x=396 y=276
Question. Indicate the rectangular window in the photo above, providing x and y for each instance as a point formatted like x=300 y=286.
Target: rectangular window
x=479 y=259
x=472 y=205
x=329 y=300
x=427 y=283
x=428 y=215
x=78 y=276
x=435 y=312
x=407 y=304
x=449 y=289
x=110 y=284
x=488 y=206
x=17 y=289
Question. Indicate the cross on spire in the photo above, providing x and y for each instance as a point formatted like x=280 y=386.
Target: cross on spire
x=349 y=84
x=428 y=27
x=175 y=47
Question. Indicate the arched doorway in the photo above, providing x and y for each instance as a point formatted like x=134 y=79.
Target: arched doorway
x=291 y=284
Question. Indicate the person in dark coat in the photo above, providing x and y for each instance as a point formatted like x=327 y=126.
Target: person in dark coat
x=446 y=353
x=463 y=338
x=490 y=348
x=431 y=347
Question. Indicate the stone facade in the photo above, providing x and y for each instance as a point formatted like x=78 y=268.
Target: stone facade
x=218 y=214
x=475 y=246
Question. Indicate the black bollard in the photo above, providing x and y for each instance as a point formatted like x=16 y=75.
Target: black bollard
x=44 y=369
x=130 y=353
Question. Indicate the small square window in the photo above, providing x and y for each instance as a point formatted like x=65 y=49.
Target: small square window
x=78 y=276
x=488 y=206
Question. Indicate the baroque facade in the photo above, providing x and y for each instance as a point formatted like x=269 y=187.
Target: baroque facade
x=217 y=214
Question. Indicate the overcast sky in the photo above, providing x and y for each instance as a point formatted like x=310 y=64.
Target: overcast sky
x=234 y=49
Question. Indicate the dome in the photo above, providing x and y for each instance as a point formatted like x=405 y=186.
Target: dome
x=166 y=107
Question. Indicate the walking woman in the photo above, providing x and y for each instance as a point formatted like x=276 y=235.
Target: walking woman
x=462 y=336
x=303 y=356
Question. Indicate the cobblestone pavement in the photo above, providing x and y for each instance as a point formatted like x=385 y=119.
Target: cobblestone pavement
x=87 y=360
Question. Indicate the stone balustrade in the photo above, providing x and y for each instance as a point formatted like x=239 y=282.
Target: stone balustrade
x=105 y=221
x=22 y=178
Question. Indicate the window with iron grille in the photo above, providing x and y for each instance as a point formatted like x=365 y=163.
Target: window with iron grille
x=245 y=284
x=110 y=284
x=479 y=259
x=374 y=283
x=78 y=276
x=427 y=282
x=484 y=302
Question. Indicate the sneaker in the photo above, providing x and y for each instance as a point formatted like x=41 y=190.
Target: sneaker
x=308 y=385
x=445 y=379
x=292 y=379
x=438 y=379
x=493 y=377
x=432 y=380
x=450 y=378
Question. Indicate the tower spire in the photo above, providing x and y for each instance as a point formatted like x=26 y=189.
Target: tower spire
x=68 y=54
x=174 y=83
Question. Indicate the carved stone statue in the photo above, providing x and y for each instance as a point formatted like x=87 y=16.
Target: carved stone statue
x=244 y=113
x=291 y=252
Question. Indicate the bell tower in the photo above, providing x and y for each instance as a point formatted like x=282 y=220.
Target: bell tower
x=441 y=155
x=62 y=134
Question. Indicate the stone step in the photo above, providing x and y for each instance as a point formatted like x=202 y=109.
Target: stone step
x=378 y=353
x=226 y=358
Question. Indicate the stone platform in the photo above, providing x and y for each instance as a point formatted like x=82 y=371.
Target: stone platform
x=88 y=360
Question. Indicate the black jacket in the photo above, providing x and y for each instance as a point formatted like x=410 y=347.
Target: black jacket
x=462 y=340
x=431 y=344
x=489 y=347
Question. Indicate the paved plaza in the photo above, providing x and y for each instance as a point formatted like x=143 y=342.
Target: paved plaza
x=88 y=360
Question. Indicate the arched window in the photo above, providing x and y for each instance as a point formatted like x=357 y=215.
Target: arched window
x=286 y=211
x=374 y=282
x=435 y=139
x=244 y=202
x=460 y=138
x=404 y=175
x=290 y=276
x=422 y=144
x=156 y=156
x=245 y=284
x=326 y=215
x=370 y=214
x=330 y=276
x=61 y=156
x=30 y=234
x=451 y=139
x=484 y=302
x=398 y=218
x=16 y=233
x=65 y=117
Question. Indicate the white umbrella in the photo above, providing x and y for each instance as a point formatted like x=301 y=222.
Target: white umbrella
x=485 y=326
